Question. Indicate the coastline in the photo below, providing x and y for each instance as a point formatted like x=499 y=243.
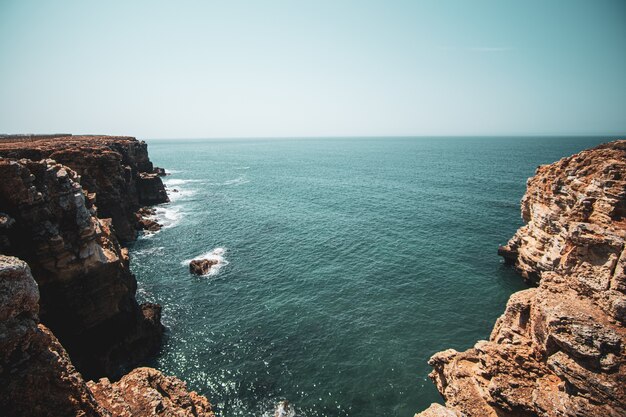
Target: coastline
x=53 y=194
x=558 y=349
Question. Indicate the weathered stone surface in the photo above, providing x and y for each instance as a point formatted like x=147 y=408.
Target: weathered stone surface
x=115 y=168
x=37 y=378
x=147 y=392
x=558 y=349
x=87 y=290
x=146 y=219
x=201 y=266
x=437 y=410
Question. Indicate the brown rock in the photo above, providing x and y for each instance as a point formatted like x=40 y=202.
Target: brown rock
x=36 y=375
x=147 y=392
x=438 y=410
x=87 y=290
x=37 y=378
x=558 y=349
x=201 y=266
x=115 y=168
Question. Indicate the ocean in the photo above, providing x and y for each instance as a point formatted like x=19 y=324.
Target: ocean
x=343 y=264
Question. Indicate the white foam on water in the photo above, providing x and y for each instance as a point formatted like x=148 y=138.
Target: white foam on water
x=280 y=411
x=168 y=216
x=173 y=171
x=174 y=182
x=180 y=194
x=216 y=254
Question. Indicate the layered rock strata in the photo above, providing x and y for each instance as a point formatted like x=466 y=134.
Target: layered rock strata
x=87 y=290
x=558 y=349
x=116 y=169
x=37 y=377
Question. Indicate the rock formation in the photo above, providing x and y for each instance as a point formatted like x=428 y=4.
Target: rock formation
x=87 y=290
x=558 y=349
x=115 y=169
x=160 y=396
x=49 y=218
x=37 y=377
x=201 y=266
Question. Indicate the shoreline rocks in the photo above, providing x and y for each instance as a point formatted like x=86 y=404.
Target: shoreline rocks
x=87 y=289
x=116 y=171
x=37 y=377
x=81 y=285
x=558 y=349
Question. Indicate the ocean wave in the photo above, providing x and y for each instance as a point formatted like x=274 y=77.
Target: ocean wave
x=173 y=171
x=216 y=254
x=157 y=250
x=237 y=181
x=180 y=194
x=281 y=411
x=168 y=216
x=173 y=182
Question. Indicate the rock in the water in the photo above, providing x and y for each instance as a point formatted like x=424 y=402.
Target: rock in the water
x=201 y=266
x=558 y=349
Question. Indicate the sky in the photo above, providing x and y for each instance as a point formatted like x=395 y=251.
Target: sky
x=218 y=69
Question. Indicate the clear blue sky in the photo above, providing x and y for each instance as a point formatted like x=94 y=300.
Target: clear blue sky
x=313 y=68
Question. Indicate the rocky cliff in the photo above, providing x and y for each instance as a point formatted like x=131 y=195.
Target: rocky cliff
x=37 y=377
x=115 y=170
x=87 y=290
x=56 y=193
x=558 y=349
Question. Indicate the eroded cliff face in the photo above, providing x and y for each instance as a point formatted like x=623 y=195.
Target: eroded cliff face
x=87 y=290
x=558 y=349
x=82 y=287
x=37 y=378
x=115 y=170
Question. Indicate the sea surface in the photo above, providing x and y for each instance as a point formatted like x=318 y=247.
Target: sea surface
x=343 y=264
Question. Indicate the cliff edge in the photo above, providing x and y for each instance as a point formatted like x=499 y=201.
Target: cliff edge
x=558 y=349
x=73 y=274
x=37 y=377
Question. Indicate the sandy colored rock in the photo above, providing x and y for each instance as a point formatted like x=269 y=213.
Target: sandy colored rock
x=147 y=392
x=115 y=170
x=558 y=349
x=438 y=410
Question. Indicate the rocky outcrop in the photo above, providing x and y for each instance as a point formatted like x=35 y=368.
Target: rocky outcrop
x=87 y=290
x=558 y=350
x=37 y=378
x=201 y=266
x=36 y=375
x=160 y=396
x=116 y=169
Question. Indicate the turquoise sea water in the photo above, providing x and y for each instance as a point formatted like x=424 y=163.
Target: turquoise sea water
x=344 y=264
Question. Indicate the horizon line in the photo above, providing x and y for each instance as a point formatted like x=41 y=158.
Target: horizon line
x=608 y=135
